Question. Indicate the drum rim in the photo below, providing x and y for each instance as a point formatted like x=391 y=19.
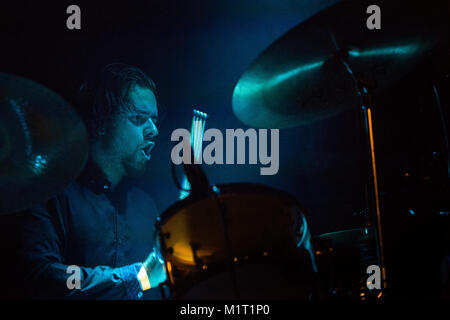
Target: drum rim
x=244 y=187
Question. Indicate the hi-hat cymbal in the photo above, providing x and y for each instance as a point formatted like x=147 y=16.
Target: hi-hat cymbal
x=43 y=143
x=301 y=78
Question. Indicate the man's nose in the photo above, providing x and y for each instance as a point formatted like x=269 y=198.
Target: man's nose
x=151 y=131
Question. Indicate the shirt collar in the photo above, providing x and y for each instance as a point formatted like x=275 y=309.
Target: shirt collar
x=93 y=177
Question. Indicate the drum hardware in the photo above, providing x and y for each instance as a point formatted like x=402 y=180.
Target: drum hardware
x=194 y=247
x=363 y=90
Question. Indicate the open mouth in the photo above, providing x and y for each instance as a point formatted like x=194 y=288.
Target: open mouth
x=146 y=151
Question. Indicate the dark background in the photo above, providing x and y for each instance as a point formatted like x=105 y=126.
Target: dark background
x=196 y=51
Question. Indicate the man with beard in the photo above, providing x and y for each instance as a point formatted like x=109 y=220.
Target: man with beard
x=94 y=240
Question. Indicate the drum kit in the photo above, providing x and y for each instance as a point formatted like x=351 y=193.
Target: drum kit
x=241 y=240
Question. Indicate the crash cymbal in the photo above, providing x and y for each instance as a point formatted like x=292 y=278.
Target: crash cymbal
x=301 y=78
x=43 y=143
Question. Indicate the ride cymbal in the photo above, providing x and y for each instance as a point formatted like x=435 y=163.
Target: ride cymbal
x=301 y=77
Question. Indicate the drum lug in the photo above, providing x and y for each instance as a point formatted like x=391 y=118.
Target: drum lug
x=194 y=247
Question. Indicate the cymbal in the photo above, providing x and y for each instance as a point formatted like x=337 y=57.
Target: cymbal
x=301 y=78
x=43 y=143
x=350 y=237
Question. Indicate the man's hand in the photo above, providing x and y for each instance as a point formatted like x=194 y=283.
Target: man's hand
x=156 y=273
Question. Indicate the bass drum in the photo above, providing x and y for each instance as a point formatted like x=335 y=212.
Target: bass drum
x=242 y=241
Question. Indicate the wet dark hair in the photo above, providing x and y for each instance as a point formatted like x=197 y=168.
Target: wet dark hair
x=105 y=94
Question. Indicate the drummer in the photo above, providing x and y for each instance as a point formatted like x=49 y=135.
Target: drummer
x=94 y=239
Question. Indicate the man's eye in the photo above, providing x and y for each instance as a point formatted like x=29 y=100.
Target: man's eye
x=139 y=120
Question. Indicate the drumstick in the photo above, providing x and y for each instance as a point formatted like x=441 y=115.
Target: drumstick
x=197 y=131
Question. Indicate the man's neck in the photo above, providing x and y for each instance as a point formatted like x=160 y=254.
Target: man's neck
x=112 y=170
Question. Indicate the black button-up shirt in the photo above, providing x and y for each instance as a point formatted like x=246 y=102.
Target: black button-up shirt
x=107 y=233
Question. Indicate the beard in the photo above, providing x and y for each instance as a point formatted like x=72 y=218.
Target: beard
x=135 y=165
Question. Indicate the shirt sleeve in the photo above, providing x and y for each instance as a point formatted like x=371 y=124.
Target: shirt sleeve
x=47 y=276
x=132 y=285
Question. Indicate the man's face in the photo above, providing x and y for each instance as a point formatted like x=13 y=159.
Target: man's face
x=133 y=134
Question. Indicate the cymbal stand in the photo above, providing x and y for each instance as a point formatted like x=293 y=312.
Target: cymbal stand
x=374 y=198
x=363 y=88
